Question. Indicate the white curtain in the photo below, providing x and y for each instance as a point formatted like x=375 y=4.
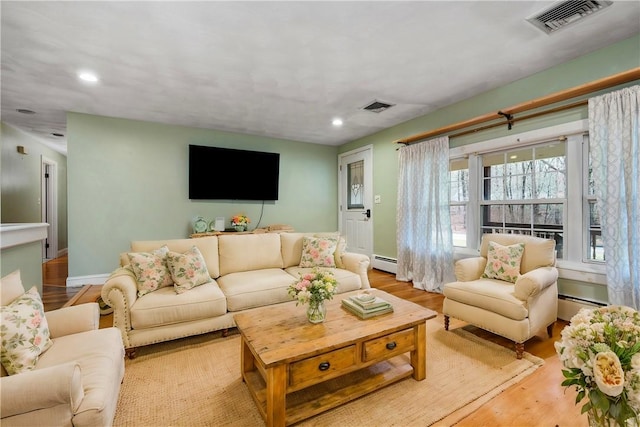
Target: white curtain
x=614 y=128
x=423 y=221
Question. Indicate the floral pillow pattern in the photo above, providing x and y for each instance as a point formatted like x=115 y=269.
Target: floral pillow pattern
x=318 y=252
x=150 y=269
x=24 y=333
x=188 y=270
x=503 y=262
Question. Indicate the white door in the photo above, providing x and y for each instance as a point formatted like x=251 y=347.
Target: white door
x=356 y=200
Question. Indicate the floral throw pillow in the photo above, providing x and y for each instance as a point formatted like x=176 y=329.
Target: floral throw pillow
x=150 y=269
x=25 y=333
x=188 y=270
x=318 y=252
x=503 y=262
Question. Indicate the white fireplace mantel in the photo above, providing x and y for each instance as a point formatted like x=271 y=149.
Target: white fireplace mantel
x=22 y=233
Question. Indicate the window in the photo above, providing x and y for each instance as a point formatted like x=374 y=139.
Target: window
x=355 y=182
x=459 y=191
x=523 y=192
x=593 y=240
x=543 y=188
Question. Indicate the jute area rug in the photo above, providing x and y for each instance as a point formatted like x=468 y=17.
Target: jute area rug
x=196 y=382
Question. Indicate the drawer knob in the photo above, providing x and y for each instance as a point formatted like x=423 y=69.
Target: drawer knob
x=391 y=345
x=324 y=366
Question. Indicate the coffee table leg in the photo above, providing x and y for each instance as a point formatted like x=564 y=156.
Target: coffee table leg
x=276 y=395
x=247 y=360
x=419 y=355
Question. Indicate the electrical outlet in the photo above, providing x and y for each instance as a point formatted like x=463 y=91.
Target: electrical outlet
x=377 y=199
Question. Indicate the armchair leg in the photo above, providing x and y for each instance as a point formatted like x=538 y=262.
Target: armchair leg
x=519 y=350
x=446 y=322
x=130 y=352
x=550 y=329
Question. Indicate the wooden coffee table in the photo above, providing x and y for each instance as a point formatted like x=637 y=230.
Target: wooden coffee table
x=295 y=369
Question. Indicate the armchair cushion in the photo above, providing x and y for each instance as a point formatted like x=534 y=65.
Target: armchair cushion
x=25 y=333
x=537 y=252
x=495 y=296
x=503 y=262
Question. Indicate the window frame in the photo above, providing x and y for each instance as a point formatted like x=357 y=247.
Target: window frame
x=575 y=265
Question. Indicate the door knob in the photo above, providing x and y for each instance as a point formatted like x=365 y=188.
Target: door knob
x=367 y=213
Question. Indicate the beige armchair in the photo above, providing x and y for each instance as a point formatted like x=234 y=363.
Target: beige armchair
x=517 y=310
x=76 y=381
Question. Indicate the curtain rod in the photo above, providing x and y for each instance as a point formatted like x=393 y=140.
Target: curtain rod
x=507 y=113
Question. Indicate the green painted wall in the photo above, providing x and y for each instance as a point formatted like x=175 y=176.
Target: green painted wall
x=128 y=181
x=21 y=180
x=614 y=59
x=28 y=259
x=602 y=63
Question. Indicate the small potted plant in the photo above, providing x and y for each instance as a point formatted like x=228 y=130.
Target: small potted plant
x=240 y=222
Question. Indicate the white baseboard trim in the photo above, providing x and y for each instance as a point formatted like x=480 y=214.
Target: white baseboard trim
x=63 y=252
x=390 y=265
x=569 y=307
x=94 y=279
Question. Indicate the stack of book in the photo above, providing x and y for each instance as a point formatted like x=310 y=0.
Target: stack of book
x=365 y=309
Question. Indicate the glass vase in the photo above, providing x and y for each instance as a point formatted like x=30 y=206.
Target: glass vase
x=316 y=312
x=239 y=227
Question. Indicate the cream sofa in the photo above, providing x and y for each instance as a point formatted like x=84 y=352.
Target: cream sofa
x=247 y=271
x=518 y=310
x=76 y=381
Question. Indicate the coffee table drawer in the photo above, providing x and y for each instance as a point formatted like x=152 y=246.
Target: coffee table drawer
x=328 y=364
x=389 y=345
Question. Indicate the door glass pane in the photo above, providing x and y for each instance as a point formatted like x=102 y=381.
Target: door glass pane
x=355 y=183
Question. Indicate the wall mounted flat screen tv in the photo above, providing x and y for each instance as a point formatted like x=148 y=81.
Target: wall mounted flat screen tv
x=228 y=174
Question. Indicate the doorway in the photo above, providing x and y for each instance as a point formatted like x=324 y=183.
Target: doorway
x=49 y=205
x=356 y=199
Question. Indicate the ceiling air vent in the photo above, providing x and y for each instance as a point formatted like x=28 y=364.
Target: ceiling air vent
x=563 y=13
x=377 y=106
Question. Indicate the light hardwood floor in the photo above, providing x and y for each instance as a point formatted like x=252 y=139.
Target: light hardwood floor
x=538 y=400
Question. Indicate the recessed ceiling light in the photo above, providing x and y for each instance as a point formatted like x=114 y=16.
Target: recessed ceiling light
x=25 y=111
x=87 y=76
x=337 y=122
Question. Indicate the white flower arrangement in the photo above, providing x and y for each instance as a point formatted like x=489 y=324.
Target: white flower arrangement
x=600 y=349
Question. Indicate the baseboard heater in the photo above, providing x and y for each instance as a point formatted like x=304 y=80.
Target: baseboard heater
x=568 y=306
x=384 y=263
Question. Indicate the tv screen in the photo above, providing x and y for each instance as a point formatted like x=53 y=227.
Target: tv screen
x=228 y=174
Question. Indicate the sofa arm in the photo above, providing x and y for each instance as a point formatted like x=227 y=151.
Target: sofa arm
x=41 y=389
x=533 y=282
x=74 y=319
x=468 y=269
x=120 y=291
x=359 y=264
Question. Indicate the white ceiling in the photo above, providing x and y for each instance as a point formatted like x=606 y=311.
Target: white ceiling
x=278 y=69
